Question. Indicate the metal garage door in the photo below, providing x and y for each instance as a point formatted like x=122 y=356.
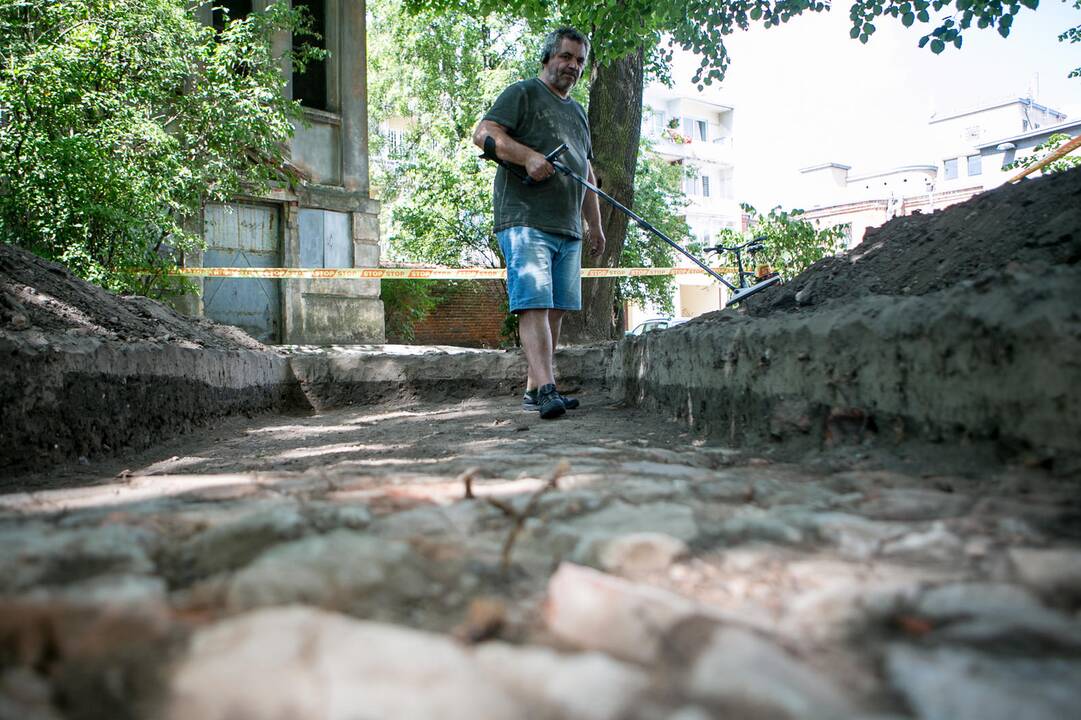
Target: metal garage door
x=243 y=236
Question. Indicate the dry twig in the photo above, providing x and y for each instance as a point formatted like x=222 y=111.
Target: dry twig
x=527 y=512
x=467 y=478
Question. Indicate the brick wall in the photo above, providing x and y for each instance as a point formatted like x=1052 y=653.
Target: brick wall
x=471 y=317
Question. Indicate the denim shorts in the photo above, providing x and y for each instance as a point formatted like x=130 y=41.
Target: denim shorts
x=543 y=269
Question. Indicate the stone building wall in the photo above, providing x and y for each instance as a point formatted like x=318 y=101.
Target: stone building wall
x=329 y=220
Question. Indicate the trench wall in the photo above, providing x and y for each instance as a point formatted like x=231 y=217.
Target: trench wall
x=996 y=361
x=364 y=374
x=65 y=397
x=61 y=399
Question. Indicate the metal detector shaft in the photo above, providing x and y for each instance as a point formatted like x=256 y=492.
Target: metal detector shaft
x=737 y=293
x=642 y=222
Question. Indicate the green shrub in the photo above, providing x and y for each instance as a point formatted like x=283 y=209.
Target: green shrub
x=407 y=302
x=121 y=120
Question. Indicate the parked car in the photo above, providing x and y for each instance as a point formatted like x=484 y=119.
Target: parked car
x=656 y=324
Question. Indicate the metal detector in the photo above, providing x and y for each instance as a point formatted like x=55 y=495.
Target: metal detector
x=752 y=247
x=738 y=293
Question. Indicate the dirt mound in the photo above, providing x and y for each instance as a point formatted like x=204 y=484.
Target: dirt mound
x=87 y=372
x=1030 y=227
x=43 y=296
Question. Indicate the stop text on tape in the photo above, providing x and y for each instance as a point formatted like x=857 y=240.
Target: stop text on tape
x=414 y=273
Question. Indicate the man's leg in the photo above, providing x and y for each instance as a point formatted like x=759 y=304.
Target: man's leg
x=566 y=294
x=529 y=254
x=537 y=343
x=555 y=323
x=535 y=332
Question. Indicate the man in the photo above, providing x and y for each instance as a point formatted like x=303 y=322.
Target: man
x=539 y=225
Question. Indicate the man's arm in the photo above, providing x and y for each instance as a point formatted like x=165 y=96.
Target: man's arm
x=591 y=211
x=509 y=149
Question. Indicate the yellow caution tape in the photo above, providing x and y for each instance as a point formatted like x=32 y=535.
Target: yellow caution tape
x=415 y=273
x=1063 y=150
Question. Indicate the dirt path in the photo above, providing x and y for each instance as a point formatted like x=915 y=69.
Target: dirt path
x=689 y=577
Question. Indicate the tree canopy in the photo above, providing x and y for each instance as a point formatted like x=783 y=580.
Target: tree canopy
x=618 y=27
x=118 y=121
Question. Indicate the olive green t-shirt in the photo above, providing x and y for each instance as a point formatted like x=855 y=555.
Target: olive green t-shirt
x=538 y=118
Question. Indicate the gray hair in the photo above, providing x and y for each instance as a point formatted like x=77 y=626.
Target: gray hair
x=555 y=39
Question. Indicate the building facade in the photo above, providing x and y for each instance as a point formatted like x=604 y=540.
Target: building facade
x=696 y=130
x=328 y=221
x=972 y=149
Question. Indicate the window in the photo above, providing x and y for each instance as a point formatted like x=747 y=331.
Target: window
x=975 y=166
x=233 y=9
x=950 y=169
x=658 y=123
x=695 y=129
x=310 y=86
x=325 y=239
x=705 y=186
x=394 y=141
x=726 y=185
x=690 y=186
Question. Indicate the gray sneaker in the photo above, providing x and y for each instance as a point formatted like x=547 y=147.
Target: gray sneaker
x=549 y=403
x=529 y=401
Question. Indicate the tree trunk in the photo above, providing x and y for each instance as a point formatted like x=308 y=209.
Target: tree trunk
x=615 y=123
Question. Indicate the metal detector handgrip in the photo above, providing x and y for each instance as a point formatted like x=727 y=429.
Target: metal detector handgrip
x=490 y=154
x=550 y=157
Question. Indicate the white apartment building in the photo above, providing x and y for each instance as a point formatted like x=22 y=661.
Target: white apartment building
x=694 y=129
x=966 y=142
x=970 y=149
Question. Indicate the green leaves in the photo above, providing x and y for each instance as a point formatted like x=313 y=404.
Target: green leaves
x=436 y=194
x=1004 y=24
x=128 y=131
x=983 y=13
x=792 y=244
x=1043 y=150
x=658 y=196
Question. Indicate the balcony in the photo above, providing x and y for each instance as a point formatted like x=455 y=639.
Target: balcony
x=673 y=145
x=712 y=207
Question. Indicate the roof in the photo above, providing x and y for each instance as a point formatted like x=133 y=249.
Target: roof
x=894 y=171
x=657 y=91
x=1010 y=101
x=1048 y=130
x=823 y=166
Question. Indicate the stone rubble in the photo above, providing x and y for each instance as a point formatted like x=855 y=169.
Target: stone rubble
x=247 y=575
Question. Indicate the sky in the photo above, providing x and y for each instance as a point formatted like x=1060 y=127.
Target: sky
x=805 y=93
